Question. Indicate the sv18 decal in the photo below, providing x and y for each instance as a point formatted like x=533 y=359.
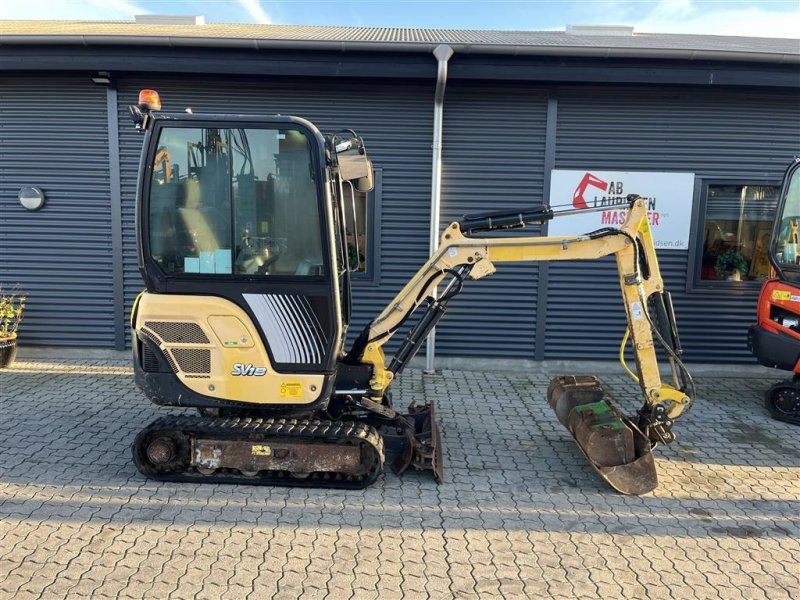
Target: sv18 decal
x=248 y=370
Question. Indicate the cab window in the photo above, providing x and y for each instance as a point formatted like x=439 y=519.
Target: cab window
x=787 y=240
x=234 y=201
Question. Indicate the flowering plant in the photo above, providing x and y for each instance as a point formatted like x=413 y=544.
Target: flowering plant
x=12 y=306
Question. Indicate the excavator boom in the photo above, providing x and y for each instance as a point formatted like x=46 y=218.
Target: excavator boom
x=618 y=447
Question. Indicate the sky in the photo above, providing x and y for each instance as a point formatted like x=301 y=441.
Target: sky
x=764 y=18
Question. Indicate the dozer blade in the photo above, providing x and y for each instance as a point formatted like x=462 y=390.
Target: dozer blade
x=613 y=445
x=421 y=448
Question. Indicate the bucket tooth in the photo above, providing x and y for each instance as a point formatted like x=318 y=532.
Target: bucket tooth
x=612 y=444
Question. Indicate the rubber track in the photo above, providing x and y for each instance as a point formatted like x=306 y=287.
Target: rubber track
x=268 y=430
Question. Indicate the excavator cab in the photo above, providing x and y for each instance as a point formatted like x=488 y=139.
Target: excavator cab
x=240 y=249
x=775 y=338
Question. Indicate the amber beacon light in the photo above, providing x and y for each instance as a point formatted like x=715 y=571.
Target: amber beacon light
x=149 y=100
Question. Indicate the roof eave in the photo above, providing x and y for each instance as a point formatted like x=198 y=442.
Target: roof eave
x=427 y=47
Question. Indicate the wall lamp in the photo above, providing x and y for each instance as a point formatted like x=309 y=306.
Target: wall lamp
x=31 y=198
x=102 y=78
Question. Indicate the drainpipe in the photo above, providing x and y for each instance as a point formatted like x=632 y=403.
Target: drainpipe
x=442 y=53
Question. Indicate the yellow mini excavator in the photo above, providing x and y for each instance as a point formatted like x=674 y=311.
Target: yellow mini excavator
x=243 y=250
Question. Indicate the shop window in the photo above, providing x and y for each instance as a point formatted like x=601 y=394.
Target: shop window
x=735 y=226
x=362 y=225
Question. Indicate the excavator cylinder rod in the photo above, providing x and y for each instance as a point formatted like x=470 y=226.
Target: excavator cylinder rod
x=505 y=219
x=286 y=452
x=612 y=444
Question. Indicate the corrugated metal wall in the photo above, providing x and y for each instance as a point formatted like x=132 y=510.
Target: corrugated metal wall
x=493 y=157
x=53 y=135
x=494 y=141
x=394 y=119
x=719 y=133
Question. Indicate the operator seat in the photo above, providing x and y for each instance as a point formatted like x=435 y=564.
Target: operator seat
x=163 y=228
x=200 y=228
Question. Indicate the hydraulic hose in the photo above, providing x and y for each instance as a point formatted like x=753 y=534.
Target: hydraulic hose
x=622 y=355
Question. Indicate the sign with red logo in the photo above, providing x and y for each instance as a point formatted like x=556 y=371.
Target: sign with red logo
x=668 y=196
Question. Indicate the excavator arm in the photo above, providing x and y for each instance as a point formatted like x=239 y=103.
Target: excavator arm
x=647 y=307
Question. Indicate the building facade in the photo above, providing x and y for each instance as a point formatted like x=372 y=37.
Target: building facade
x=517 y=108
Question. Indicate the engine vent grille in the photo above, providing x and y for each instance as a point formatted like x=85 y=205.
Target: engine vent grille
x=173 y=332
x=147 y=334
x=171 y=362
x=193 y=360
x=149 y=360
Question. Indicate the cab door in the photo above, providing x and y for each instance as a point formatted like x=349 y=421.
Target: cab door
x=785 y=244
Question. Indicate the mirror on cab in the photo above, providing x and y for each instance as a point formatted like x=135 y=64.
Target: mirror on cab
x=352 y=161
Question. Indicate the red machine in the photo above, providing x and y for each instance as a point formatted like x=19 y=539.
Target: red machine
x=775 y=338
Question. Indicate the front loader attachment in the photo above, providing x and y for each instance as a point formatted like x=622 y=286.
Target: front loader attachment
x=614 y=446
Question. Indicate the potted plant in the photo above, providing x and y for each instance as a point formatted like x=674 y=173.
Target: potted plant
x=731 y=265
x=12 y=306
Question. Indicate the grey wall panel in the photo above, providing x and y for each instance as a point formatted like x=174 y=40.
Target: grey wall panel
x=53 y=135
x=394 y=119
x=493 y=157
x=719 y=133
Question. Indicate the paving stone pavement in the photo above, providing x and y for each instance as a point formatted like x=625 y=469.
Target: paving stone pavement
x=520 y=515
